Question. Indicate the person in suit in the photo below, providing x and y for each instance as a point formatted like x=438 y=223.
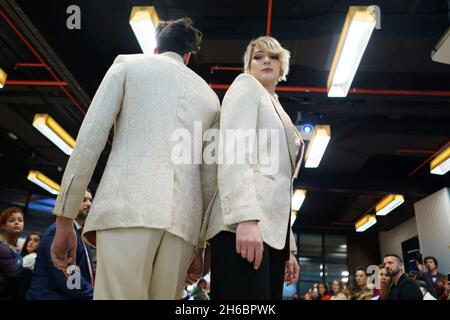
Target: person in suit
x=252 y=245
x=51 y=283
x=149 y=207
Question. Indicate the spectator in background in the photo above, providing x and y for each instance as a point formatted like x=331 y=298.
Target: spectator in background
x=385 y=283
x=11 y=224
x=338 y=290
x=402 y=288
x=323 y=291
x=29 y=250
x=413 y=275
x=432 y=275
x=441 y=291
x=361 y=291
x=423 y=286
x=14 y=280
x=51 y=283
x=199 y=292
x=309 y=296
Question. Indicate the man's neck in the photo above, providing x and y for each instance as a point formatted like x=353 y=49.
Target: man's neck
x=397 y=277
x=80 y=222
x=433 y=272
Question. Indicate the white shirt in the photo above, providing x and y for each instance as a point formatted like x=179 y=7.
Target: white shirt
x=29 y=260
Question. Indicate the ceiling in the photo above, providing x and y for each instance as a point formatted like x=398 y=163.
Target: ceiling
x=377 y=140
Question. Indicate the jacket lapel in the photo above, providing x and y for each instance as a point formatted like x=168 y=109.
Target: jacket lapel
x=291 y=134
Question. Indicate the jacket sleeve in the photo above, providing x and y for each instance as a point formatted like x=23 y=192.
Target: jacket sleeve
x=208 y=175
x=292 y=243
x=91 y=140
x=59 y=278
x=238 y=123
x=208 y=171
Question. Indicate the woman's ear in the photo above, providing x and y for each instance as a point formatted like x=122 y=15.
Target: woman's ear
x=186 y=58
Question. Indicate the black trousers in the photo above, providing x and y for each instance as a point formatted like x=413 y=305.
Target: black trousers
x=233 y=278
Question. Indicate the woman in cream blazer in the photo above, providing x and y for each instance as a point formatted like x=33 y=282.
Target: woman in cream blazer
x=252 y=247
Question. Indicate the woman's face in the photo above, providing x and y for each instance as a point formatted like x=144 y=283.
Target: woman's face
x=321 y=289
x=265 y=66
x=335 y=287
x=384 y=278
x=361 y=278
x=14 y=224
x=33 y=243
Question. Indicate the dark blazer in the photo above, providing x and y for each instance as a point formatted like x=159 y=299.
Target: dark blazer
x=50 y=283
x=405 y=289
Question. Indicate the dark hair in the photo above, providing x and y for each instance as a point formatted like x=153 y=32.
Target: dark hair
x=393 y=255
x=201 y=281
x=361 y=269
x=179 y=36
x=382 y=266
x=325 y=285
x=24 y=250
x=422 y=284
x=340 y=284
x=9 y=212
x=432 y=258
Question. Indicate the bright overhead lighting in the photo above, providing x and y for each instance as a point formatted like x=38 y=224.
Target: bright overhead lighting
x=365 y=222
x=293 y=217
x=345 y=280
x=355 y=35
x=317 y=145
x=3 y=77
x=298 y=198
x=143 y=21
x=43 y=181
x=388 y=204
x=441 y=51
x=345 y=273
x=441 y=163
x=54 y=132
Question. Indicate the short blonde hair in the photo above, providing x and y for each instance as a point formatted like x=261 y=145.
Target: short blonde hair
x=272 y=45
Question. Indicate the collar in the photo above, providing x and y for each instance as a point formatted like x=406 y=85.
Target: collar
x=77 y=225
x=173 y=55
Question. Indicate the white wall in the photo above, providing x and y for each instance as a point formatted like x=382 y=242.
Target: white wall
x=391 y=241
x=433 y=225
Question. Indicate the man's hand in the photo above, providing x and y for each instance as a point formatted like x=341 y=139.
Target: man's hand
x=64 y=247
x=195 y=269
x=249 y=243
x=291 y=270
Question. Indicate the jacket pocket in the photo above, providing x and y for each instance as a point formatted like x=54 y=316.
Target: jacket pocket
x=263 y=174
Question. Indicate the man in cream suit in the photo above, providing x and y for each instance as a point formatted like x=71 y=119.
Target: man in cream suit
x=148 y=210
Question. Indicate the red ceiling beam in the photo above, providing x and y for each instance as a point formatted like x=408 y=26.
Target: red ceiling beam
x=428 y=159
x=41 y=60
x=269 y=17
x=35 y=83
x=354 y=91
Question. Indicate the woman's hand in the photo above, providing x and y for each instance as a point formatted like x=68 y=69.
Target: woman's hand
x=249 y=243
x=291 y=270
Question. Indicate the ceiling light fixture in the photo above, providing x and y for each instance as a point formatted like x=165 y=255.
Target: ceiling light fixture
x=143 y=21
x=355 y=35
x=54 y=132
